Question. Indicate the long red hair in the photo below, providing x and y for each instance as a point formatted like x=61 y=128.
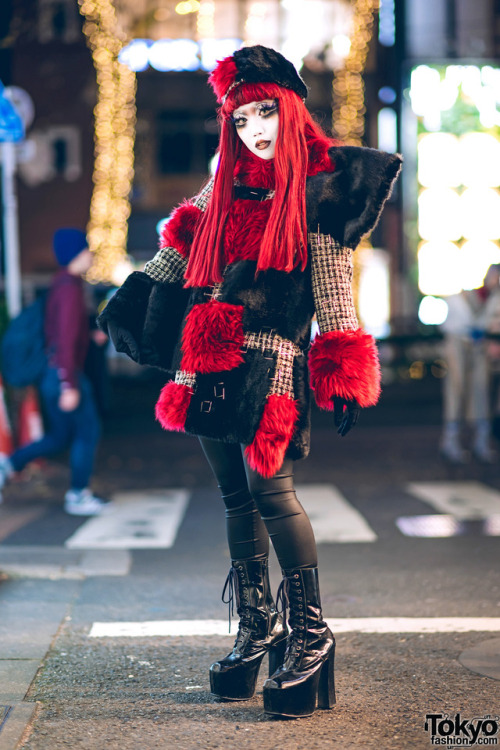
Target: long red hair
x=284 y=243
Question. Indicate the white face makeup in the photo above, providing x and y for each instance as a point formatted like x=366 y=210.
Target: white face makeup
x=257 y=125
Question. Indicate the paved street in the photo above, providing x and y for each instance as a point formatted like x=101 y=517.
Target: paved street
x=90 y=651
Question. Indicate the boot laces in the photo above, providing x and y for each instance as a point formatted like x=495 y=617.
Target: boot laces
x=290 y=597
x=232 y=588
x=283 y=600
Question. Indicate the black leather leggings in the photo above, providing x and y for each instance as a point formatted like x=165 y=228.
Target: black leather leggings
x=258 y=509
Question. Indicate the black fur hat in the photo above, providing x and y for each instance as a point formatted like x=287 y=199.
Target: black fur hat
x=255 y=64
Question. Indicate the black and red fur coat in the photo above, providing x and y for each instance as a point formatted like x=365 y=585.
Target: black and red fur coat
x=239 y=353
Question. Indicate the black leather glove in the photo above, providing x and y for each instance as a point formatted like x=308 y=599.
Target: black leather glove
x=345 y=413
x=123 y=340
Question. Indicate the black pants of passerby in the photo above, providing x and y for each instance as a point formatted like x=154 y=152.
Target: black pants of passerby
x=259 y=509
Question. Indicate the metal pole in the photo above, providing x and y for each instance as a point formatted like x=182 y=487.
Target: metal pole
x=13 y=293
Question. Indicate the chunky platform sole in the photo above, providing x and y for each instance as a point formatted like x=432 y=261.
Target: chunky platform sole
x=300 y=698
x=237 y=682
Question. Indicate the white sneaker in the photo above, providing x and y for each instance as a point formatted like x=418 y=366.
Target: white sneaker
x=83 y=503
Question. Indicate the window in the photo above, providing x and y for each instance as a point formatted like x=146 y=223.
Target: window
x=184 y=143
x=58 y=21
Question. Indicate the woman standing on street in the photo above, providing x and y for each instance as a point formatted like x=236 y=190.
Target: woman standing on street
x=226 y=306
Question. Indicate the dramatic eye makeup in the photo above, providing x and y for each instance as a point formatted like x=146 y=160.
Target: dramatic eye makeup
x=268 y=108
x=264 y=109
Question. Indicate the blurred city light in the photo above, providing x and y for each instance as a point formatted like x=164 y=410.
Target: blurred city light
x=387 y=122
x=477 y=257
x=432 y=311
x=212 y=50
x=387 y=23
x=161 y=224
x=187 y=6
x=114 y=136
x=480 y=160
x=438 y=160
x=174 y=54
x=439 y=272
x=387 y=95
x=480 y=212
x=458 y=167
x=136 y=55
x=341 y=45
x=439 y=214
x=374 y=307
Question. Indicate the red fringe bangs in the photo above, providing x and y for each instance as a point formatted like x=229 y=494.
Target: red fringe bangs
x=245 y=93
x=284 y=243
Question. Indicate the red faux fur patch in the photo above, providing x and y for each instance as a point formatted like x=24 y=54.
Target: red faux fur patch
x=319 y=158
x=244 y=229
x=172 y=405
x=223 y=76
x=179 y=230
x=253 y=171
x=213 y=337
x=345 y=363
x=266 y=452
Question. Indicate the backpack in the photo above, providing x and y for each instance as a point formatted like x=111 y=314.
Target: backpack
x=24 y=359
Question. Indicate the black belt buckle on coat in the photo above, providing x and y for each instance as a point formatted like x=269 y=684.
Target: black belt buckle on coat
x=251 y=193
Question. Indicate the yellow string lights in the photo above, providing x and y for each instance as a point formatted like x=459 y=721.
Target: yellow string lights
x=348 y=86
x=349 y=101
x=205 y=23
x=114 y=114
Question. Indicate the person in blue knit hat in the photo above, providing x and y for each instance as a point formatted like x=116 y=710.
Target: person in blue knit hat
x=66 y=392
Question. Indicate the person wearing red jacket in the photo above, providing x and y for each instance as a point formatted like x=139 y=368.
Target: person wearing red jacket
x=66 y=393
x=225 y=309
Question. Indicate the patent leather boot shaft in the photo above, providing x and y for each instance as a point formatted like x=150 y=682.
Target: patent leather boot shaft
x=260 y=631
x=305 y=681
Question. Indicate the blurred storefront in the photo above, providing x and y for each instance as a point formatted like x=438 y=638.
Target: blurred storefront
x=120 y=143
x=450 y=137
x=125 y=126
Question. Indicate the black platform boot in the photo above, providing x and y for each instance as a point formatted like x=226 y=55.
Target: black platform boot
x=306 y=678
x=260 y=631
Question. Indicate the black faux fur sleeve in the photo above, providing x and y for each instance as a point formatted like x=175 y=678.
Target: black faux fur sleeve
x=347 y=203
x=143 y=319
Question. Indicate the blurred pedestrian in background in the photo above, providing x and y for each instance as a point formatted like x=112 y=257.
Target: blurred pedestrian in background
x=66 y=393
x=493 y=347
x=472 y=314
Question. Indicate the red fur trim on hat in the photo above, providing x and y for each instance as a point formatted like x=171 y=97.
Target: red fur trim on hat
x=213 y=337
x=266 y=452
x=345 y=363
x=172 y=405
x=179 y=230
x=223 y=76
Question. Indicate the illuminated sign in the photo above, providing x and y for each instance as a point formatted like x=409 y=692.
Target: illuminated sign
x=458 y=172
x=176 y=54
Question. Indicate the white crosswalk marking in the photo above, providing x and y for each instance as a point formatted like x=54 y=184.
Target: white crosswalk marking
x=161 y=628
x=134 y=520
x=465 y=500
x=333 y=519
